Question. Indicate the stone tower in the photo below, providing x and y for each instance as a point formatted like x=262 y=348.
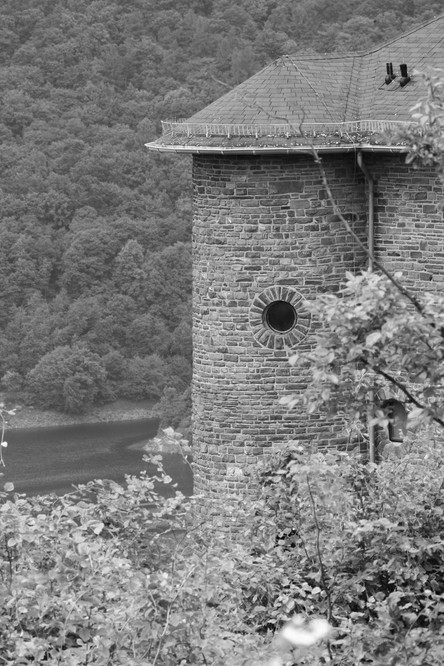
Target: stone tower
x=265 y=237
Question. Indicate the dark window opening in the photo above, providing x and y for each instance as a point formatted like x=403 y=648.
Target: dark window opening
x=280 y=316
x=397 y=415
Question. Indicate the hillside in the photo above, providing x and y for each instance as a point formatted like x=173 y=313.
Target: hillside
x=95 y=261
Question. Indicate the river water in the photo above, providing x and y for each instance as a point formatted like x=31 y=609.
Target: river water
x=44 y=460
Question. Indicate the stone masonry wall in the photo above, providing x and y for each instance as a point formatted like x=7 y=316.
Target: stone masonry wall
x=409 y=224
x=260 y=223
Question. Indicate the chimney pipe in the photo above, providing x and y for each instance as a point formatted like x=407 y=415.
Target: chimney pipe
x=390 y=75
x=405 y=78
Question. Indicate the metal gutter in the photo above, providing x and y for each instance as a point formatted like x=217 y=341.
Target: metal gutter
x=274 y=150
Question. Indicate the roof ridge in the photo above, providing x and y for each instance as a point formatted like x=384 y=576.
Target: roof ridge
x=360 y=54
x=355 y=71
x=320 y=93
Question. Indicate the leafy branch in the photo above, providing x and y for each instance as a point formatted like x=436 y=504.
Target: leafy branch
x=336 y=209
x=402 y=387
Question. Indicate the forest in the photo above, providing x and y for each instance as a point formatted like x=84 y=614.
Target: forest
x=95 y=258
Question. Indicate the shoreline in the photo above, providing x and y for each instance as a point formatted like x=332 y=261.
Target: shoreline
x=119 y=411
x=28 y=418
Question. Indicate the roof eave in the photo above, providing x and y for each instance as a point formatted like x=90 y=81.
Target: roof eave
x=274 y=150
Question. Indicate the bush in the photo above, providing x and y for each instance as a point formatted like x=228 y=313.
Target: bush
x=12 y=382
x=68 y=378
x=116 y=575
x=144 y=378
x=175 y=410
x=360 y=545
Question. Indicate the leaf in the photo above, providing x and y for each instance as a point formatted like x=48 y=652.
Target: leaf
x=410 y=618
x=98 y=527
x=300 y=633
x=372 y=338
x=415 y=413
x=84 y=633
x=78 y=536
x=176 y=619
x=83 y=548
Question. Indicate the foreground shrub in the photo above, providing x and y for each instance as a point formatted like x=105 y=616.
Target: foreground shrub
x=118 y=576
x=360 y=545
x=115 y=575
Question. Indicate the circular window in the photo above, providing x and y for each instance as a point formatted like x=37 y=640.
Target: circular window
x=280 y=316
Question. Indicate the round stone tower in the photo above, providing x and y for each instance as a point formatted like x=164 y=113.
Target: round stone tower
x=266 y=237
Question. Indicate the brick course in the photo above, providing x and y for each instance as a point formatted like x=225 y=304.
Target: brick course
x=409 y=223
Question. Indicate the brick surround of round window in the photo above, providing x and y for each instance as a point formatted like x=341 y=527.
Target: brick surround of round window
x=264 y=332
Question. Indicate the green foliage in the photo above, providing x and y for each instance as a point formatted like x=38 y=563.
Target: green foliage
x=357 y=544
x=175 y=410
x=144 y=377
x=86 y=211
x=117 y=575
x=426 y=141
x=12 y=382
x=70 y=378
x=114 y=575
x=168 y=272
x=82 y=200
x=373 y=340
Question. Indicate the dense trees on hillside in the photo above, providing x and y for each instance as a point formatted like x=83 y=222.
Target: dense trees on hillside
x=94 y=230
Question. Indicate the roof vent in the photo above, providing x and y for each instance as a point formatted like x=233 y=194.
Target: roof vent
x=405 y=78
x=390 y=75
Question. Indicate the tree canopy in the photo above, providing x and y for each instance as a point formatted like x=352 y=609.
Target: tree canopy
x=95 y=230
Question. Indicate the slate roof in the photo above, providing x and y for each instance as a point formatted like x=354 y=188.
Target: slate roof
x=338 y=101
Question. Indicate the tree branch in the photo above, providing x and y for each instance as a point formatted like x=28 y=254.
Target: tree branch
x=417 y=305
x=402 y=387
x=319 y=553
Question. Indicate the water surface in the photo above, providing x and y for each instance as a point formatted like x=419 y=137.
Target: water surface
x=44 y=460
